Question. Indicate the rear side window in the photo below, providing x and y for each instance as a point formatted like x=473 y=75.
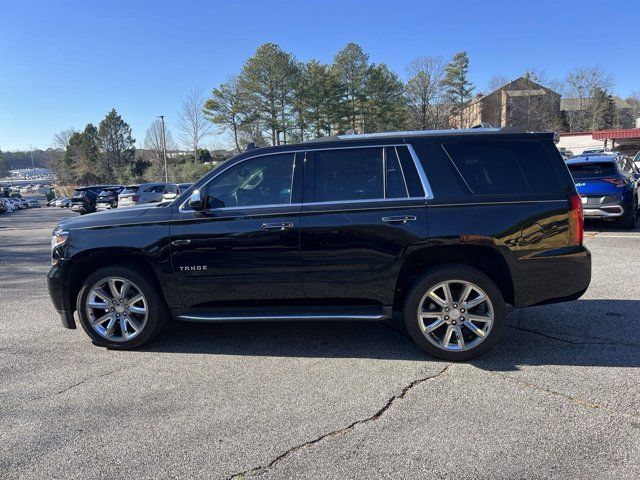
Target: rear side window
x=593 y=170
x=129 y=190
x=504 y=167
x=348 y=174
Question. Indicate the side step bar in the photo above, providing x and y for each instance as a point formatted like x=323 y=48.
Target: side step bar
x=371 y=314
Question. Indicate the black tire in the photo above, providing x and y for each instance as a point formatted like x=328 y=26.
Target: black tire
x=628 y=220
x=446 y=273
x=157 y=310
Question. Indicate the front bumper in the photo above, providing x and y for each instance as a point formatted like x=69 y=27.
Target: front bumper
x=79 y=208
x=58 y=285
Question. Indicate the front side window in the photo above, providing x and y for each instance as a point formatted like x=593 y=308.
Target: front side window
x=258 y=181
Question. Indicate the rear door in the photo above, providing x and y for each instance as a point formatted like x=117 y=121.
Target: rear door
x=363 y=210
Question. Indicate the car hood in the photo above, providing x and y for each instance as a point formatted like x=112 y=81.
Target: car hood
x=107 y=217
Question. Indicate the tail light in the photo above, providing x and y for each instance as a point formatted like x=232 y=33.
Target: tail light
x=134 y=198
x=618 y=182
x=576 y=220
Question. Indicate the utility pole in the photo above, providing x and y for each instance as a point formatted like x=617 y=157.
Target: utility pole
x=164 y=150
x=33 y=165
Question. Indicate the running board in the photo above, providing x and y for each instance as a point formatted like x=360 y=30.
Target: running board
x=254 y=314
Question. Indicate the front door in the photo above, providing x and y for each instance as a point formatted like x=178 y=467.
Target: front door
x=363 y=210
x=244 y=247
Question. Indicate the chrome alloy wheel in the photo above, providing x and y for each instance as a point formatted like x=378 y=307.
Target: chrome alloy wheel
x=455 y=315
x=117 y=309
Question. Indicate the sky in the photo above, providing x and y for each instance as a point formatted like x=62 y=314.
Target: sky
x=67 y=63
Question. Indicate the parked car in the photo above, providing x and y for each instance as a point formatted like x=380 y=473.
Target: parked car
x=20 y=202
x=52 y=202
x=63 y=202
x=445 y=228
x=84 y=199
x=8 y=205
x=144 y=193
x=108 y=198
x=171 y=195
x=33 y=203
x=608 y=187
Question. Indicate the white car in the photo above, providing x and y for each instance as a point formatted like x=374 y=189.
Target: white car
x=8 y=204
x=63 y=202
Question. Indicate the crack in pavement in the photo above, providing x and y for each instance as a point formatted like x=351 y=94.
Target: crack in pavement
x=600 y=341
x=372 y=418
x=578 y=401
x=66 y=389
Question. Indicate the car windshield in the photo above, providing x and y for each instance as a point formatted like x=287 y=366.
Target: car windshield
x=593 y=170
x=106 y=193
x=79 y=192
x=130 y=189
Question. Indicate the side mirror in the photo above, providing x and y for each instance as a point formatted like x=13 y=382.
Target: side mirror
x=195 y=200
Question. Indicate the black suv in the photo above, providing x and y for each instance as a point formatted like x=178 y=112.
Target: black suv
x=84 y=199
x=108 y=198
x=446 y=227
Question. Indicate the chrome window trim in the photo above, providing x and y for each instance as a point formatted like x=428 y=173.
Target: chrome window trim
x=183 y=206
x=404 y=179
x=428 y=193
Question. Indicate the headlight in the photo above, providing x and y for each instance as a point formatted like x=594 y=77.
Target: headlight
x=58 y=237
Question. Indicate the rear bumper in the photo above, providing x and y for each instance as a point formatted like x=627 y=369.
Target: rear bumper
x=613 y=210
x=553 y=276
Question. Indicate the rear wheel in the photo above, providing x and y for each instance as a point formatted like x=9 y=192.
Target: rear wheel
x=628 y=220
x=120 y=308
x=455 y=312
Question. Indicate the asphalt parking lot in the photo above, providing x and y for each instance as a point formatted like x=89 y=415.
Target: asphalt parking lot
x=559 y=397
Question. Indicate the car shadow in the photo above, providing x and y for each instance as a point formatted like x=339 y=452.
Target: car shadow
x=597 y=226
x=581 y=333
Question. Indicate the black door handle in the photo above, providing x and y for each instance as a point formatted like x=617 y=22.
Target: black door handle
x=277 y=225
x=399 y=219
x=180 y=243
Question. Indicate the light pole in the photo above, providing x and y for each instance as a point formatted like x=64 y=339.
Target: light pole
x=164 y=150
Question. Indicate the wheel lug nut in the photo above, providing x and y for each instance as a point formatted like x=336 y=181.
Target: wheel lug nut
x=446 y=309
x=453 y=323
x=455 y=305
x=126 y=306
x=446 y=317
x=462 y=310
x=462 y=319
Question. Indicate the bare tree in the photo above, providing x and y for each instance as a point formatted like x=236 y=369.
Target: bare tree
x=192 y=122
x=61 y=139
x=153 y=146
x=579 y=84
x=425 y=92
x=496 y=82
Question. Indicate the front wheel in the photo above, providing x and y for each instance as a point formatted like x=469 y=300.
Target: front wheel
x=455 y=312
x=120 y=308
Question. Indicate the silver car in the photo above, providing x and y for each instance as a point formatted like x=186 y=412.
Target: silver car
x=144 y=193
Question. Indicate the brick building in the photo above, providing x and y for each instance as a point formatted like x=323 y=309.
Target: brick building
x=521 y=102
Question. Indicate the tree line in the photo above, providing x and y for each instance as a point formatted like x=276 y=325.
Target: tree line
x=278 y=99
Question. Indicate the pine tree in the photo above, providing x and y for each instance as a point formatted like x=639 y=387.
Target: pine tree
x=116 y=143
x=385 y=108
x=268 y=80
x=602 y=109
x=458 y=86
x=351 y=67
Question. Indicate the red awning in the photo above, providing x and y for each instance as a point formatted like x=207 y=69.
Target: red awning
x=616 y=134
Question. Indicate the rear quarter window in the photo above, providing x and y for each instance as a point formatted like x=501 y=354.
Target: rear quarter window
x=504 y=167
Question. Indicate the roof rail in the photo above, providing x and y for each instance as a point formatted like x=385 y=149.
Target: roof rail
x=409 y=133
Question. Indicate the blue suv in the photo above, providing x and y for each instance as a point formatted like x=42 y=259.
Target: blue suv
x=608 y=186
